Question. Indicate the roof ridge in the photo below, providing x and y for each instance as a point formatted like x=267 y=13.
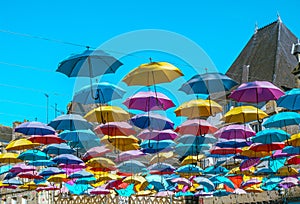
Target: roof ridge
x=268 y=25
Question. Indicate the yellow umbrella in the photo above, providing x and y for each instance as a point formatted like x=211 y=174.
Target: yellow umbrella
x=244 y=114
x=238 y=171
x=104 y=114
x=198 y=108
x=21 y=144
x=294 y=140
x=136 y=179
x=254 y=189
x=107 y=177
x=160 y=157
x=58 y=178
x=191 y=159
x=119 y=140
x=9 y=158
x=145 y=193
x=287 y=171
x=100 y=162
x=250 y=153
x=32 y=186
x=152 y=73
x=100 y=183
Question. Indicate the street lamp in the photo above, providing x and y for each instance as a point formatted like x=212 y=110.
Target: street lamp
x=47 y=106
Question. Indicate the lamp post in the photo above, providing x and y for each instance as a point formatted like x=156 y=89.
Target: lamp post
x=47 y=107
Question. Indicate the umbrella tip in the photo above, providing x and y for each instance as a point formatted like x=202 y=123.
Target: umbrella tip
x=87 y=47
x=150 y=59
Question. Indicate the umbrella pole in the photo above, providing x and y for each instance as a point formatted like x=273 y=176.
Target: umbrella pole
x=91 y=81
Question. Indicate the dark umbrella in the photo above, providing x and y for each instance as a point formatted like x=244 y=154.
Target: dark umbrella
x=70 y=122
x=34 y=128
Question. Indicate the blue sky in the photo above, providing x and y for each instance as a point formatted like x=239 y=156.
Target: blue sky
x=28 y=64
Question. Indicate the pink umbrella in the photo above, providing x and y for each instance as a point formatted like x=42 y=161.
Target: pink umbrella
x=164 y=193
x=115 y=128
x=196 y=127
x=247 y=164
x=95 y=152
x=147 y=101
x=21 y=167
x=157 y=134
x=71 y=168
x=278 y=153
x=46 y=139
x=235 y=132
x=182 y=181
x=100 y=191
x=9 y=187
x=47 y=188
x=128 y=155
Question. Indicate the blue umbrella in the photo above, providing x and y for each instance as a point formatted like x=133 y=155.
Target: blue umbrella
x=269 y=184
x=192 y=139
x=161 y=167
x=189 y=168
x=4 y=169
x=78 y=135
x=221 y=192
x=86 y=180
x=291 y=100
x=70 y=122
x=268 y=136
x=132 y=166
x=106 y=92
x=33 y=154
x=81 y=174
x=205 y=182
x=51 y=171
x=90 y=63
x=221 y=180
x=282 y=119
x=180 y=193
x=61 y=148
x=291 y=150
x=154 y=146
x=152 y=121
x=190 y=149
x=10 y=175
x=270 y=165
x=41 y=163
x=127 y=192
x=34 y=128
x=78 y=189
x=233 y=143
x=12 y=181
x=215 y=170
x=208 y=83
x=158 y=182
x=67 y=159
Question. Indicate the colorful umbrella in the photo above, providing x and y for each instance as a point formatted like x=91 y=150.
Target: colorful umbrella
x=46 y=139
x=224 y=151
x=268 y=136
x=294 y=160
x=192 y=159
x=195 y=127
x=104 y=114
x=51 y=171
x=95 y=152
x=288 y=182
x=9 y=158
x=243 y=114
x=12 y=182
x=161 y=168
x=34 y=128
x=158 y=182
x=191 y=149
x=81 y=174
x=33 y=155
x=115 y=128
x=21 y=144
x=290 y=100
x=216 y=180
x=58 y=178
x=287 y=171
x=21 y=167
x=235 y=132
x=196 y=140
x=70 y=122
x=6 y=168
x=41 y=163
x=128 y=155
x=189 y=169
x=205 y=182
x=157 y=134
x=77 y=136
x=119 y=140
x=293 y=141
x=161 y=156
x=132 y=166
x=282 y=119
x=147 y=101
x=152 y=121
x=30 y=175
x=61 y=148
x=153 y=146
x=100 y=162
x=67 y=159
x=100 y=191
x=257 y=147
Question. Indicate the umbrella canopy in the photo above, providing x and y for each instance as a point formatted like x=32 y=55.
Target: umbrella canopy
x=106 y=92
x=235 y=131
x=252 y=154
x=243 y=114
x=104 y=114
x=288 y=182
x=287 y=171
x=41 y=163
x=77 y=136
x=95 y=152
x=51 y=171
x=30 y=175
x=189 y=169
x=182 y=181
x=195 y=127
x=81 y=174
x=205 y=182
x=208 y=83
x=268 y=136
x=58 y=178
x=294 y=140
x=158 y=182
x=33 y=155
x=147 y=101
x=62 y=148
x=90 y=63
x=215 y=170
x=161 y=156
x=115 y=128
x=294 y=160
x=46 y=139
x=152 y=121
x=31 y=185
x=67 y=159
x=224 y=151
x=12 y=181
x=119 y=140
x=157 y=134
x=21 y=167
x=152 y=73
x=164 y=194
x=136 y=179
x=288 y=149
x=34 y=128
x=192 y=159
x=6 y=168
x=132 y=166
x=216 y=180
x=21 y=144
x=161 y=168
x=128 y=155
x=9 y=158
x=196 y=140
x=282 y=119
x=198 y=108
x=290 y=100
x=153 y=146
x=257 y=147
x=100 y=191
x=256 y=91
x=248 y=163
x=100 y=162
x=70 y=122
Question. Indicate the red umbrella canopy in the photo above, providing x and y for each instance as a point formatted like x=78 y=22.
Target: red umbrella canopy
x=196 y=127
x=257 y=147
x=115 y=128
x=46 y=139
x=224 y=151
x=30 y=175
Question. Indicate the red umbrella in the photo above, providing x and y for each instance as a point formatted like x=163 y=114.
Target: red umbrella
x=47 y=188
x=196 y=127
x=46 y=139
x=95 y=152
x=257 y=147
x=115 y=128
x=224 y=151
x=30 y=175
x=294 y=160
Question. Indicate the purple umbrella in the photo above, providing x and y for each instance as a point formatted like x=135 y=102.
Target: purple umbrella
x=239 y=191
x=128 y=155
x=157 y=135
x=67 y=159
x=256 y=92
x=21 y=167
x=147 y=101
x=235 y=132
x=100 y=190
x=247 y=164
x=152 y=121
x=250 y=182
x=288 y=182
x=34 y=128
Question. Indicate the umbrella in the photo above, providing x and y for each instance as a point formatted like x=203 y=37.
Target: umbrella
x=237 y=143
x=95 y=152
x=86 y=180
x=157 y=134
x=104 y=114
x=81 y=174
x=115 y=128
x=21 y=144
x=90 y=63
x=290 y=100
x=58 y=178
x=10 y=175
x=164 y=194
x=67 y=159
x=31 y=186
x=34 y=128
x=153 y=146
x=103 y=91
x=182 y=181
x=47 y=188
x=248 y=163
x=205 y=182
x=130 y=154
x=4 y=169
x=33 y=155
x=252 y=154
x=100 y=191
x=152 y=121
x=216 y=180
x=243 y=114
x=61 y=148
x=235 y=131
x=191 y=149
x=161 y=156
x=77 y=136
x=224 y=151
x=100 y=162
x=41 y=163
x=294 y=160
x=132 y=166
x=189 y=169
x=198 y=108
x=282 y=119
x=9 y=158
x=195 y=127
x=158 y=182
x=46 y=139
x=287 y=171
x=70 y=122
x=208 y=83
x=239 y=191
x=288 y=149
x=152 y=73
x=250 y=182
x=147 y=101
x=51 y=171
x=12 y=181
x=215 y=170
x=161 y=168
x=21 y=167
x=268 y=136
x=293 y=141
x=196 y=140
x=257 y=147
x=30 y=175
x=288 y=182
x=192 y=159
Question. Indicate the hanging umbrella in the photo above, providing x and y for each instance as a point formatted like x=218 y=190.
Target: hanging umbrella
x=224 y=151
x=104 y=114
x=12 y=182
x=4 y=169
x=243 y=114
x=205 y=182
x=294 y=140
x=216 y=180
x=157 y=134
x=294 y=160
x=57 y=149
x=100 y=162
x=7 y=186
x=115 y=128
x=21 y=167
x=250 y=182
x=164 y=194
x=192 y=159
x=288 y=182
x=268 y=136
x=31 y=186
x=191 y=149
x=131 y=166
x=147 y=101
x=128 y=155
x=47 y=188
x=215 y=170
x=152 y=121
x=198 y=108
x=288 y=149
x=119 y=140
x=196 y=140
x=195 y=127
x=158 y=182
x=249 y=163
x=287 y=171
x=153 y=146
x=236 y=143
x=77 y=136
x=86 y=180
x=290 y=100
x=46 y=139
x=58 y=178
x=161 y=168
x=182 y=181
x=100 y=191
x=70 y=122
x=10 y=175
x=253 y=154
x=21 y=144
x=67 y=159
x=235 y=132
x=282 y=119
x=257 y=147
x=95 y=152
x=105 y=91
x=161 y=156
x=30 y=175
x=41 y=163
x=189 y=169
x=81 y=174
x=51 y=171
x=9 y=158
x=133 y=145
x=33 y=155
x=34 y=128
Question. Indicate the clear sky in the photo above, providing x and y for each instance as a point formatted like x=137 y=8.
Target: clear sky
x=28 y=63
